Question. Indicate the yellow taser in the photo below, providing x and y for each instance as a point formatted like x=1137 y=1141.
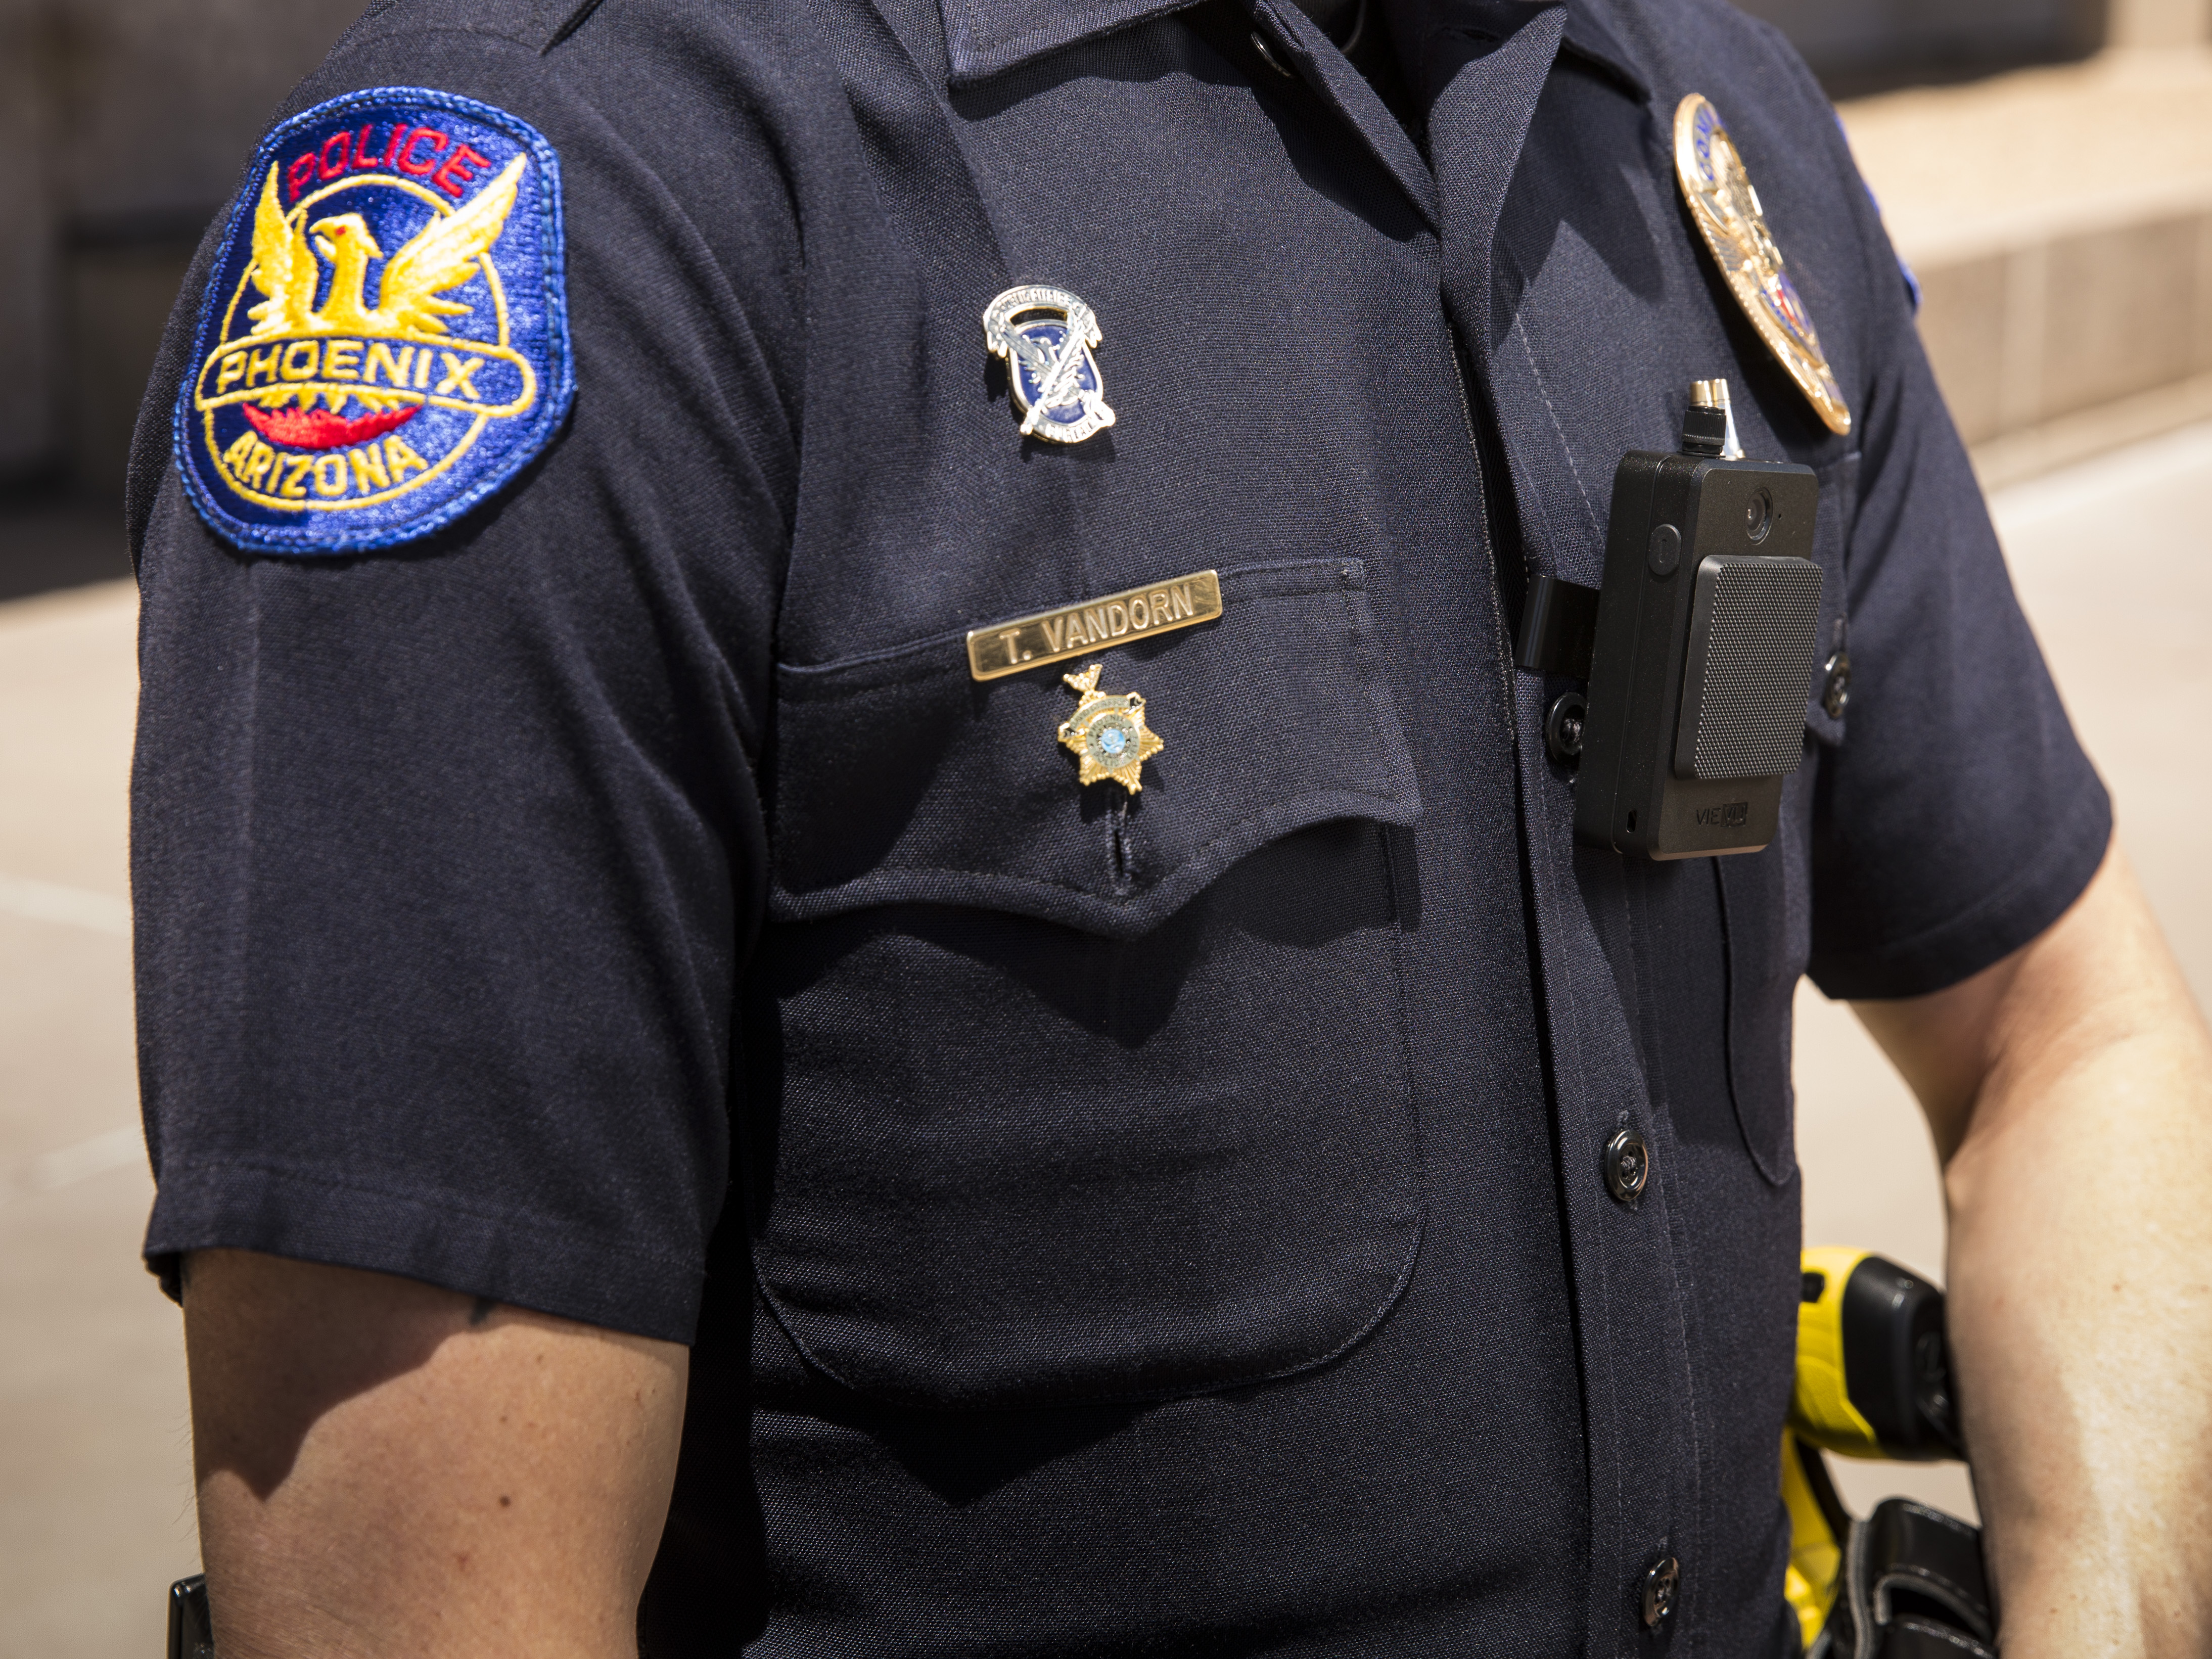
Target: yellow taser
x=1873 y=1380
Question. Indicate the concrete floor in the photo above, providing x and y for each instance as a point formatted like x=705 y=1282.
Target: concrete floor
x=2113 y=560
x=95 y=1494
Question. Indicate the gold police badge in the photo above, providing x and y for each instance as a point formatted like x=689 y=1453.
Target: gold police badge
x=1107 y=732
x=1734 y=225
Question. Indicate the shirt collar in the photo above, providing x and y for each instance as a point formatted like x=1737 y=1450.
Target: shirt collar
x=1587 y=38
x=984 y=37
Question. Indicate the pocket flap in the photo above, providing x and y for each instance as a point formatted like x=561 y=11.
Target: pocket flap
x=902 y=780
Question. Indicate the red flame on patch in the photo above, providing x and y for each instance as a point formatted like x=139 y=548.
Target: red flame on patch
x=319 y=429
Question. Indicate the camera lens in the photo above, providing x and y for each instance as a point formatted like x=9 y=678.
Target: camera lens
x=1758 y=515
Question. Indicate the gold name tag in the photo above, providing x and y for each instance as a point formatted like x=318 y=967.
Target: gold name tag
x=1008 y=647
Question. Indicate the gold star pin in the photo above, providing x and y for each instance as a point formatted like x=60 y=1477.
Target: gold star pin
x=1107 y=732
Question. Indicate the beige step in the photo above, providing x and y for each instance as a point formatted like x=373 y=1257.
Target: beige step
x=2060 y=222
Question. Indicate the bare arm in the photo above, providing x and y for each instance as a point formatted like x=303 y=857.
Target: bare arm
x=386 y=1469
x=2070 y=1089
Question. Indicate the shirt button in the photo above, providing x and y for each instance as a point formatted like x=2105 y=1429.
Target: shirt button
x=1627 y=1166
x=1662 y=1580
x=1836 y=693
x=1562 y=727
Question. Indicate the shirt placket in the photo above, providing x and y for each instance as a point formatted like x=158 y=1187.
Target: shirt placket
x=1626 y=1263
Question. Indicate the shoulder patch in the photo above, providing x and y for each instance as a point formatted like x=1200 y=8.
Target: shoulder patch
x=384 y=342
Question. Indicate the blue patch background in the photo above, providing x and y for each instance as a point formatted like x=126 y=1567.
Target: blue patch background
x=528 y=257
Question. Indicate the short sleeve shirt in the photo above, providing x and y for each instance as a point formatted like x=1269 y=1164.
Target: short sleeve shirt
x=1105 y=1220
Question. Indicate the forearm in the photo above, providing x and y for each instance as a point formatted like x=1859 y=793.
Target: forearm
x=2082 y=1328
x=385 y=1469
x=2080 y=1281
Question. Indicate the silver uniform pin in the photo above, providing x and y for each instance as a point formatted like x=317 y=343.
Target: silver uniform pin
x=1046 y=336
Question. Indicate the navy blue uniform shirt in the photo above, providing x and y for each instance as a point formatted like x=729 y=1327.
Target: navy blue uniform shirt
x=1106 y=1224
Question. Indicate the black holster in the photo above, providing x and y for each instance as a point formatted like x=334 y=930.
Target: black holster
x=1912 y=1586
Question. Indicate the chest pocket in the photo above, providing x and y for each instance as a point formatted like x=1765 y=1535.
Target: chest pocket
x=1082 y=1096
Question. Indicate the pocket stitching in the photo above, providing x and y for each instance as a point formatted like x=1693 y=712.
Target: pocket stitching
x=1398 y=812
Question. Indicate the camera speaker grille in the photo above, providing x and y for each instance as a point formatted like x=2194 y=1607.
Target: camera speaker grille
x=1752 y=638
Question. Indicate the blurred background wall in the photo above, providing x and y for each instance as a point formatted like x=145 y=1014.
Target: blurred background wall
x=124 y=123
x=1857 y=45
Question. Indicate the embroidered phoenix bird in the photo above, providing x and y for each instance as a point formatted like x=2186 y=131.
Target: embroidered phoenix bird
x=443 y=255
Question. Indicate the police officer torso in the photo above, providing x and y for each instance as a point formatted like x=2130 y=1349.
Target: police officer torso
x=1165 y=1210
